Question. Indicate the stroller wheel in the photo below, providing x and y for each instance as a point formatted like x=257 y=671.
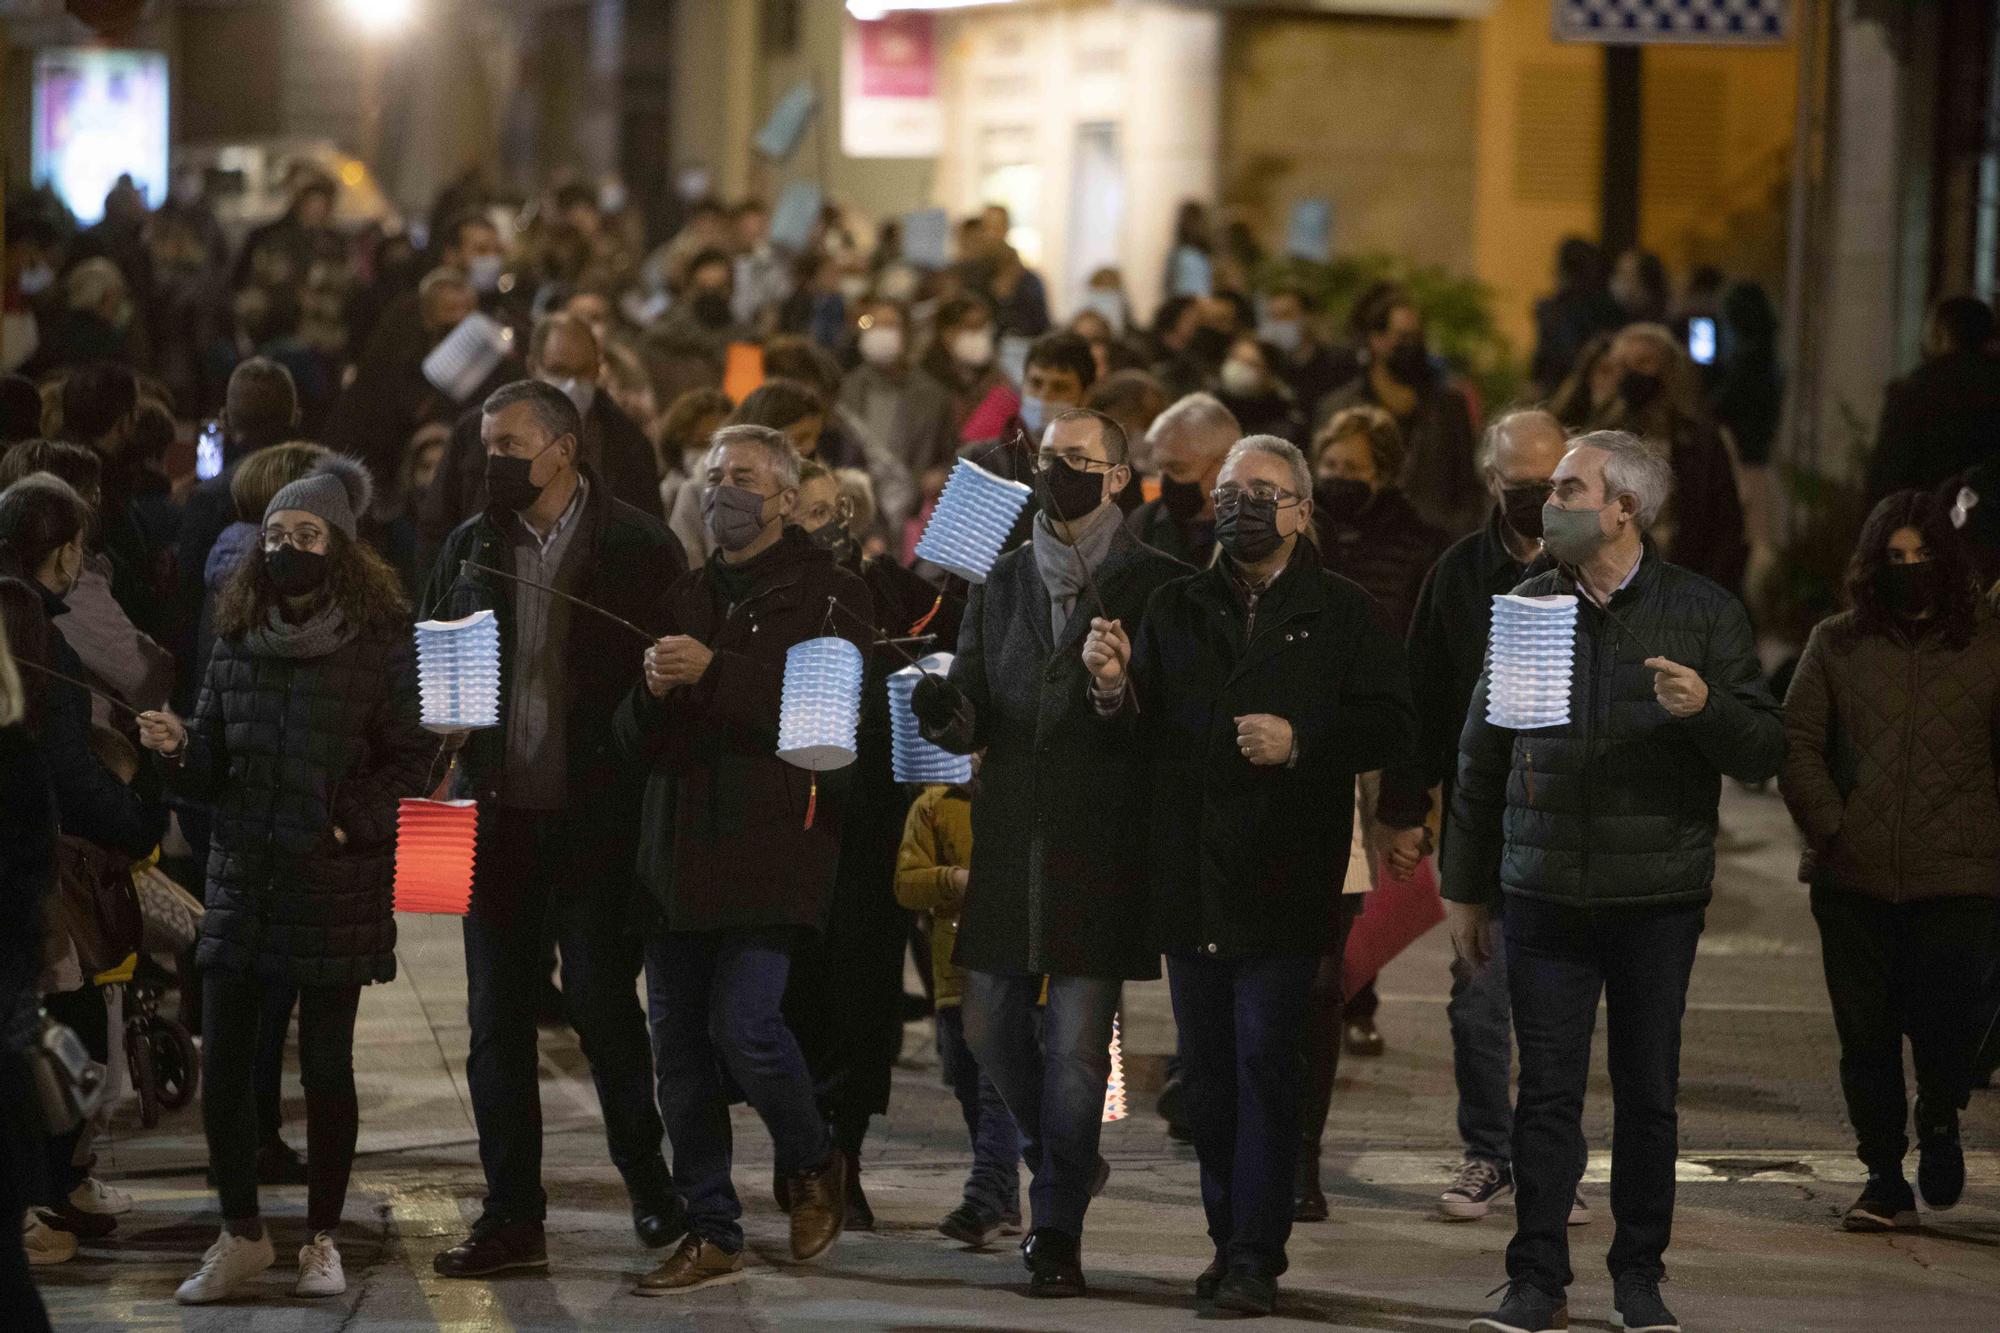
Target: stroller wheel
x=139 y=1058
x=176 y=1067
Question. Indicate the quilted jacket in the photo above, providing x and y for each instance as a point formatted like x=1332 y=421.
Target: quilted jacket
x=1617 y=806
x=287 y=749
x=1890 y=771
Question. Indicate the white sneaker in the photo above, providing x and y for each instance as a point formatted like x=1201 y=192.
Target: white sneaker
x=320 y=1273
x=94 y=1196
x=229 y=1263
x=45 y=1244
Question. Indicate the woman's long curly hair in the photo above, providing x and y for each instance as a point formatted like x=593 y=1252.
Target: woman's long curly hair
x=1926 y=513
x=361 y=583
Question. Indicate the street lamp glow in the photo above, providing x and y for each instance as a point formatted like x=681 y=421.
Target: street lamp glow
x=379 y=18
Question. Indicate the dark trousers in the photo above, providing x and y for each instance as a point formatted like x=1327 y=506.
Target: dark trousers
x=1482 y=1052
x=715 y=999
x=1559 y=960
x=21 y=1168
x=273 y=1027
x=1915 y=969
x=233 y=1005
x=1241 y=1022
x=994 y=1185
x=843 y=1002
x=537 y=879
x=1054 y=1088
x=1324 y=1018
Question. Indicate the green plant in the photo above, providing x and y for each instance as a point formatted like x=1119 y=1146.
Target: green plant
x=1458 y=311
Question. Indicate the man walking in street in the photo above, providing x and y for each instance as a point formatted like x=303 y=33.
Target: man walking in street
x=1058 y=886
x=558 y=814
x=1599 y=836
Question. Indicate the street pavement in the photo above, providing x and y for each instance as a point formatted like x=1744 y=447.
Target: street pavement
x=1765 y=1171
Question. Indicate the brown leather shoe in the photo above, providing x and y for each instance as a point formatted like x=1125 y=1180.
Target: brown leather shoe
x=819 y=1207
x=694 y=1263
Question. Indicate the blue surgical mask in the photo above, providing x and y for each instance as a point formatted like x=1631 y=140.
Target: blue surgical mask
x=1283 y=334
x=1107 y=303
x=1034 y=415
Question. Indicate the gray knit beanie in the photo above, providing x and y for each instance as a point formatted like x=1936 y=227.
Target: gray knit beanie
x=336 y=490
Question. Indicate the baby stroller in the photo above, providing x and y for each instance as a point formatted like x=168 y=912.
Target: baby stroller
x=161 y=1055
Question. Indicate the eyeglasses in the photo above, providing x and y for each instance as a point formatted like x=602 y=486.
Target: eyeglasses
x=304 y=538
x=1076 y=458
x=1261 y=491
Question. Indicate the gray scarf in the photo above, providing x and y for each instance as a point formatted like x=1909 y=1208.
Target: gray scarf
x=324 y=631
x=1063 y=567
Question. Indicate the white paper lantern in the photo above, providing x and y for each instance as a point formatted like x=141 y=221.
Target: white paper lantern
x=463 y=358
x=458 y=672
x=1529 y=658
x=819 y=711
x=913 y=758
x=974 y=513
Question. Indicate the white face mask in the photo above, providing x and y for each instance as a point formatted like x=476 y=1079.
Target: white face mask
x=973 y=348
x=483 y=271
x=1241 y=378
x=581 y=392
x=881 y=345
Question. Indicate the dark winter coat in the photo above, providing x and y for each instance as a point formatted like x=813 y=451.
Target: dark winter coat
x=1191 y=543
x=629 y=560
x=90 y=800
x=285 y=750
x=1890 y=769
x=1247 y=858
x=1387 y=549
x=724 y=839
x=1617 y=807
x=1938 y=420
x=1058 y=864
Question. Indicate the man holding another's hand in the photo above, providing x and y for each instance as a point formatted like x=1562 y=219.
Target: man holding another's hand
x=1599 y=837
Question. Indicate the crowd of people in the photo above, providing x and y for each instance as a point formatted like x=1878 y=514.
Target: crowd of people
x=1228 y=676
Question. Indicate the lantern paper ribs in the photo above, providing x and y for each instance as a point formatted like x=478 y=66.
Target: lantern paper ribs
x=819 y=711
x=458 y=672
x=1114 y=1088
x=915 y=759
x=974 y=513
x=1529 y=658
x=434 y=855
x=465 y=357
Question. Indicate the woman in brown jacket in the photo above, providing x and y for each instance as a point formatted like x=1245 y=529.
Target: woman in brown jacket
x=1892 y=720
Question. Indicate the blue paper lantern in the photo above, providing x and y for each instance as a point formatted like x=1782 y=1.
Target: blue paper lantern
x=819 y=711
x=1529 y=657
x=458 y=672
x=974 y=513
x=913 y=758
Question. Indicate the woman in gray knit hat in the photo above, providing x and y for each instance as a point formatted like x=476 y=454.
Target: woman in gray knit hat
x=305 y=736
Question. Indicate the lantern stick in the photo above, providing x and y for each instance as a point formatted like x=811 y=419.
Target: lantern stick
x=118 y=704
x=556 y=592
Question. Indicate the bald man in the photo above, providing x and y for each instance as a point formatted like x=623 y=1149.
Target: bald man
x=1446 y=648
x=562 y=351
x=1188 y=442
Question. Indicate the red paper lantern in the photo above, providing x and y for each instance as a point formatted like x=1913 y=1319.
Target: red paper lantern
x=434 y=853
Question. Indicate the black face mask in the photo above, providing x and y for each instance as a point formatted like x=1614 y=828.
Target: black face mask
x=711 y=310
x=1911 y=592
x=1639 y=390
x=1068 y=492
x=510 y=485
x=1521 y=508
x=1409 y=363
x=1209 y=345
x=294 y=572
x=835 y=539
x=1341 y=497
x=1181 y=499
x=1248 y=529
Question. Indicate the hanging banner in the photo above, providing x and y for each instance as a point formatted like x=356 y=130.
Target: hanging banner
x=1646 y=22
x=889 y=103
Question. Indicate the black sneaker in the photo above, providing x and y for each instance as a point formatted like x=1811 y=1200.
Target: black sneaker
x=1527 y=1309
x=1478 y=1183
x=1245 y=1291
x=969 y=1224
x=1636 y=1306
x=1940 y=1158
x=1885 y=1205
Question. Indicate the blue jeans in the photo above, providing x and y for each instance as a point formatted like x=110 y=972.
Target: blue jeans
x=1482 y=1053
x=1243 y=1024
x=715 y=1000
x=1055 y=1090
x=994 y=1186
x=1560 y=959
x=535 y=881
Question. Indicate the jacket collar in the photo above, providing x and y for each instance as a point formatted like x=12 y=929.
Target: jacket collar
x=1495 y=560
x=1296 y=589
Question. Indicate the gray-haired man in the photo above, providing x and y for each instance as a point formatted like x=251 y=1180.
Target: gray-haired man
x=1599 y=835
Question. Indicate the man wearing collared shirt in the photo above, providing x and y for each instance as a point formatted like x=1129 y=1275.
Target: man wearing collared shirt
x=558 y=812
x=1598 y=835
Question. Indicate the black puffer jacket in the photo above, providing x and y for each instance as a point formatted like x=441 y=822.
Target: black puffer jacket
x=1616 y=807
x=287 y=749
